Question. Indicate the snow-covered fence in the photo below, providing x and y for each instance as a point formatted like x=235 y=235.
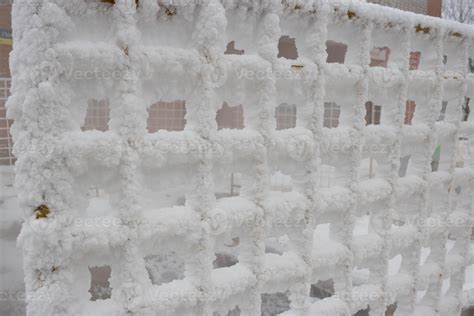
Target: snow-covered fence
x=137 y=52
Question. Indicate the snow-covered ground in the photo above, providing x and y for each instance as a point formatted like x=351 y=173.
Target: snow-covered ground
x=11 y=266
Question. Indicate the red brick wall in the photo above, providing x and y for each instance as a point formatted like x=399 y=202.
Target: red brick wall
x=5 y=23
x=429 y=7
x=6 y=157
x=435 y=7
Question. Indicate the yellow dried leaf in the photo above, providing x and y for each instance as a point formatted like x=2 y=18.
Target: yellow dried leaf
x=42 y=211
x=351 y=14
x=297 y=66
x=420 y=29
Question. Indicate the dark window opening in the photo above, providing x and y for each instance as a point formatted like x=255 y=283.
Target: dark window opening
x=224 y=260
x=465 y=109
x=336 y=52
x=100 y=286
x=275 y=303
x=373 y=113
x=363 y=312
x=332 y=111
x=287 y=47
x=285 y=115
x=164 y=267
x=230 y=117
x=322 y=289
x=231 y=50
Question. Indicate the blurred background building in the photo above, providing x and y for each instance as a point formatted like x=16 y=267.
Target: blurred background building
x=428 y=7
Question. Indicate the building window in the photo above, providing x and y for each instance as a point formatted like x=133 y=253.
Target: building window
x=167 y=115
x=373 y=113
x=332 y=111
x=409 y=111
x=285 y=115
x=230 y=117
x=97 y=116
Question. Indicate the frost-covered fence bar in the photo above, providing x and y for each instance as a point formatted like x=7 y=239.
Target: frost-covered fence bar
x=163 y=192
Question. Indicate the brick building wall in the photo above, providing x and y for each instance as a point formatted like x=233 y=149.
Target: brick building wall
x=6 y=144
x=6 y=157
x=428 y=7
x=5 y=24
x=417 y=6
